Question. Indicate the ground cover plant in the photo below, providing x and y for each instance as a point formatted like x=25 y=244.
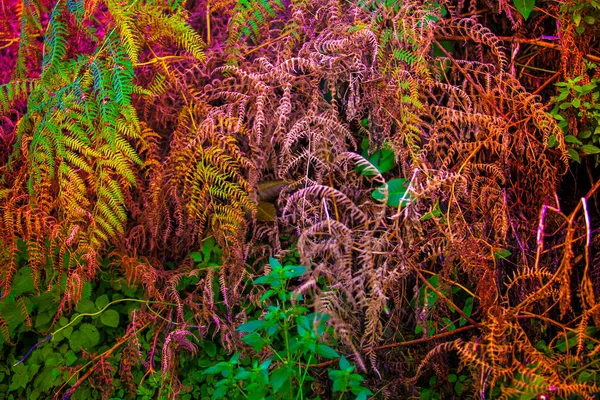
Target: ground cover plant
x=299 y=199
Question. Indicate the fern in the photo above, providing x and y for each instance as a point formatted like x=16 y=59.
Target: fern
x=80 y=133
x=249 y=17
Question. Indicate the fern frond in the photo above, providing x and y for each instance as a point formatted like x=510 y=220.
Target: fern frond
x=173 y=27
x=124 y=21
x=55 y=41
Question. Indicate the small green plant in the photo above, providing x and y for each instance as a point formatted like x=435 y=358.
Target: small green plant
x=584 y=101
x=293 y=337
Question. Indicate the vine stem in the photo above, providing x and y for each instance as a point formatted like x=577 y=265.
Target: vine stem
x=51 y=335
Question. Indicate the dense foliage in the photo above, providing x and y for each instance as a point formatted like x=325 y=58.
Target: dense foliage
x=424 y=171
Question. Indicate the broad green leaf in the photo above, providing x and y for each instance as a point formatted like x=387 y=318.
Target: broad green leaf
x=468 y=308
x=195 y=256
x=590 y=149
x=293 y=271
x=102 y=301
x=215 y=369
x=362 y=394
x=265 y=364
x=251 y=326
x=339 y=385
x=70 y=357
x=266 y=295
x=86 y=306
x=220 y=392
x=20 y=378
x=86 y=337
x=326 y=351
x=396 y=192
x=255 y=340
x=525 y=7
x=574 y=155
x=276 y=265
x=501 y=253
x=262 y=280
x=279 y=377
x=383 y=159
x=572 y=139
x=345 y=364
x=210 y=348
x=242 y=374
x=110 y=318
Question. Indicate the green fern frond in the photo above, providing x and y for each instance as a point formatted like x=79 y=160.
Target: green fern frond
x=29 y=52
x=174 y=27
x=55 y=41
x=13 y=91
x=77 y=8
x=126 y=26
x=248 y=18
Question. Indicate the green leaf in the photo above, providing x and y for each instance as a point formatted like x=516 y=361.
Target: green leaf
x=344 y=364
x=383 y=159
x=210 y=348
x=86 y=306
x=339 y=385
x=220 y=392
x=102 y=302
x=574 y=155
x=85 y=338
x=572 y=139
x=525 y=7
x=215 y=369
x=195 y=256
x=110 y=318
x=276 y=265
x=396 y=192
x=279 y=377
x=502 y=253
x=263 y=280
x=242 y=374
x=468 y=308
x=251 y=326
x=293 y=271
x=266 y=295
x=255 y=340
x=70 y=357
x=362 y=394
x=326 y=351
x=590 y=149
x=19 y=378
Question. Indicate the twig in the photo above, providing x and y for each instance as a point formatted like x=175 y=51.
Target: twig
x=447 y=300
x=534 y=42
x=548 y=81
x=400 y=344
